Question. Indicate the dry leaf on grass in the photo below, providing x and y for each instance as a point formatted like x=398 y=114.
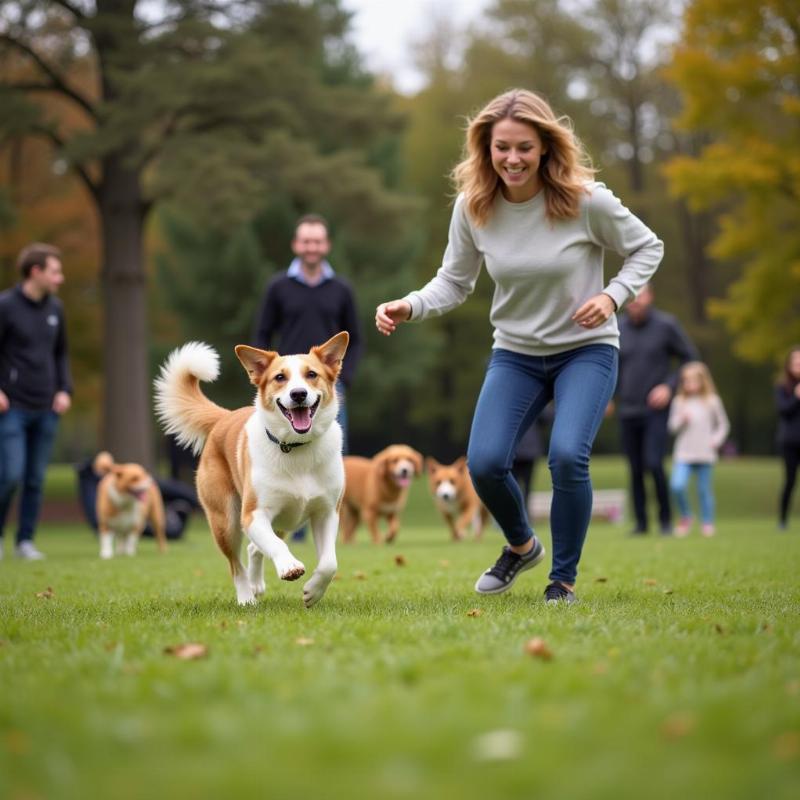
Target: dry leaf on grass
x=650 y=582
x=601 y=579
x=47 y=593
x=187 y=651
x=360 y=576
x=719 y=629
x=303 y=641
x=400 y=560
x=787 y=746
x=474 y=612
x=537 y=647
x=444 y=563
x=678 y=725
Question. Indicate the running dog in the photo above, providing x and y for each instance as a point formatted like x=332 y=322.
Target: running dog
x=126 y=498
x=378 y=487
x=456 y=498
x=268 y=468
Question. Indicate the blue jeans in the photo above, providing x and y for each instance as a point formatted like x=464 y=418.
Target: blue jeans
x=679 y=483
x=515 y=390
x=26 y=439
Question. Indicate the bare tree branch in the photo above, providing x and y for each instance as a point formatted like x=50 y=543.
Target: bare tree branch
x=80 y=171
x=58 y=84
x=71 y=7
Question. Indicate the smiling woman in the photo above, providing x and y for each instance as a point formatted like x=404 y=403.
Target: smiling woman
x=529 y=209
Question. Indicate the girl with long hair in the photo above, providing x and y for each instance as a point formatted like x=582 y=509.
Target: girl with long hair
x=528 y=208
x=700 y=423
x=787 y=399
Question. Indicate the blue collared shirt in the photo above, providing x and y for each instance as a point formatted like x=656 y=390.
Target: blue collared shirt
x=296 y=271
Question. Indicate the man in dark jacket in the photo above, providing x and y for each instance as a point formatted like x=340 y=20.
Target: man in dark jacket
x=650 y=342
x=35 y=386
x=308 y=304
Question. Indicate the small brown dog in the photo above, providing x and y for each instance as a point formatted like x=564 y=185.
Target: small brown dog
x=126 y=498
x=456 y=498
x=378 y=487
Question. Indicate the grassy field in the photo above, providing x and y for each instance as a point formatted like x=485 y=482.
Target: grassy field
x=676 y=675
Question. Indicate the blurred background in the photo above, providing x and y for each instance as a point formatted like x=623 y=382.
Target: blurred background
x=168 y=148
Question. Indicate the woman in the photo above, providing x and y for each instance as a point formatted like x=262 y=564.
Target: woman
x=528 y=207
x=787 y=398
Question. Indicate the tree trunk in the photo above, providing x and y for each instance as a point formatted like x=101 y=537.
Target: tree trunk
x=127 y=418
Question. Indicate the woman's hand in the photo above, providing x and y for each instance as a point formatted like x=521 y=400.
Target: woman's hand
x=595 y=311
x=389 y=315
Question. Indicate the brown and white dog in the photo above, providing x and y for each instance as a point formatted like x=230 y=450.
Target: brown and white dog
x=268 y=468
x=378 y=487
x=456 y=498
x=126 y=498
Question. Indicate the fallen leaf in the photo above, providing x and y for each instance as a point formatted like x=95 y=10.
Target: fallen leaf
x=787 y=746
x=474 y=612
x=719 y=629
x=650 y=582
x=187 y=651
x=47 y=593
x=303 y=641
x=444 y=563
x=678 y=725
x=258 y=648
x=766 y=627
x=400 y=560
x=18 y=743
x=601 y=579
x=110 y=647
x=537 y=647
x=360 y=576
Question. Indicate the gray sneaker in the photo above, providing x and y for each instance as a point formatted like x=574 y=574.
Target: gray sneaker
x=556 y=593
x=27 y=551
x=500 y=578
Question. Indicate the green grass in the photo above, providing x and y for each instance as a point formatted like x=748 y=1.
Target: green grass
x=677 y=674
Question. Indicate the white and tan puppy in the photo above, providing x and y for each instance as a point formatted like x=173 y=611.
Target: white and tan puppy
x=127 y=497
x=266 y=469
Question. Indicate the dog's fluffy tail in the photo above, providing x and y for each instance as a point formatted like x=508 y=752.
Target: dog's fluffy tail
x=181 y=407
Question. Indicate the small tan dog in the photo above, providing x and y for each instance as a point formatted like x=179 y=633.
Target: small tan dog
x=126 y=498
x=456 y=498
x=378 y=487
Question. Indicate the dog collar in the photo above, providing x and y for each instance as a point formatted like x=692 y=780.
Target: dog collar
x=286 y=447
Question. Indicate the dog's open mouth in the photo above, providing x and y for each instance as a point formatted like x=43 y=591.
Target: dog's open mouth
x=402 y=479
x=300 y=417
x=139 y=494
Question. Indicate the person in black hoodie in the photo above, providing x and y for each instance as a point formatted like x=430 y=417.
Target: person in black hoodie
x=35 y=386
x=787 y=398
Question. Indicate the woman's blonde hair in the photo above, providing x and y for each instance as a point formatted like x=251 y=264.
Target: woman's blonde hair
x=564 y=169
x=699 y=369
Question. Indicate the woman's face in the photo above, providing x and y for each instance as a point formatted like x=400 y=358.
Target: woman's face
x=516 y=150
x=794 y=365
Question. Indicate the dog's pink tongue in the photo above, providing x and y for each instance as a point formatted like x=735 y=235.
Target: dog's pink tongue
x=301 y=418
x=404 y=481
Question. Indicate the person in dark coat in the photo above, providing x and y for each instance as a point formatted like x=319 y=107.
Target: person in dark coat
x=787 y=399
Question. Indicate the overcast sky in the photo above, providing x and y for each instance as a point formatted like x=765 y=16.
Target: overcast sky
x=385 y=29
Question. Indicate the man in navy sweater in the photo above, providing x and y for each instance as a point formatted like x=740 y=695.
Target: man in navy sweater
x=308 y=304
x=650 y=342
x=35 y=386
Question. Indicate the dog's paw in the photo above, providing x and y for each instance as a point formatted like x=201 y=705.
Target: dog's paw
x=289 y=568
x=314 y=589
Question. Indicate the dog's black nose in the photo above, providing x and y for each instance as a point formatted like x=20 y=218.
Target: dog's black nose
x=298 y=395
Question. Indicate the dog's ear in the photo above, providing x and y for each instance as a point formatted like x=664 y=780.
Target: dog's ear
x=431 y=465
x=255 y=361
x=417 y=459
x=461 y=464
x=332 y=352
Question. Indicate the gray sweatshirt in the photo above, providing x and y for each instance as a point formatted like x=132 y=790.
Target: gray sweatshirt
x=543 y=271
